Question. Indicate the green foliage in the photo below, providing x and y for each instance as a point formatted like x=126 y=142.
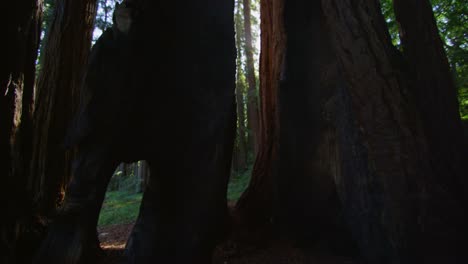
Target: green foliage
x=122 y=182
x=463 y=95
x=389 y=14
x=47 y=17
x=119 y=207
x=238 y=183
x=104 y=14
x=452 y=21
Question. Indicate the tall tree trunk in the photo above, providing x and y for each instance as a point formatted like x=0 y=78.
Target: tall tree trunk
x=293 y=178
x=252 y=105
x=433 y=88
x=66 y=53
x=254 y=206
x=241 y=151
x=394 y=206
x=21 y=27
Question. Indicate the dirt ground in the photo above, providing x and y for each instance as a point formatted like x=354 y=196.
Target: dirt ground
x=113 y=240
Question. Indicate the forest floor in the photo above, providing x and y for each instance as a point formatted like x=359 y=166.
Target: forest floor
x=121 y=208
x=272 y=251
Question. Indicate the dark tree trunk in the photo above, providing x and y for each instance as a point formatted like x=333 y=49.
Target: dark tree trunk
x=306 y=202
x=293 y=177
x=252 y=105
x=146 y=175
x=21 y=27
x=433 y=88
x=240 y=155
x=397 y=211
x=66 y=53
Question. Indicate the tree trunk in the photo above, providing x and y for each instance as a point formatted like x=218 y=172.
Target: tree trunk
x=137 y=174
x=396 y=210
x=255 y=204
x=252 y=105
x=142 y=175
x=433 y=88
x=240 y=155
x=146 y=175
x=21 y=27
x=66 y=53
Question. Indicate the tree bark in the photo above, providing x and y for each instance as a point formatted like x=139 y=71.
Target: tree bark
x=396 y=210
x=21 y=27
x=433 y=88
x=296 y=165
x=252 y=105
x=66 y=53
x=255 y=204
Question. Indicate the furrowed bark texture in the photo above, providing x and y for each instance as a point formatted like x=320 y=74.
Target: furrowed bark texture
x=66 y=53
x=306 y=202
x=293 y=177
x=395 y=208
x=256 y=202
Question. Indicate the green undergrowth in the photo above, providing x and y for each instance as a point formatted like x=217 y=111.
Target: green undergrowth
x=238 y=183
x=121 y=207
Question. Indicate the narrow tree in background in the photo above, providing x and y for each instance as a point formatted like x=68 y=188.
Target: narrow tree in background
x=65 y=56
x=240 y=155
x=252 y=105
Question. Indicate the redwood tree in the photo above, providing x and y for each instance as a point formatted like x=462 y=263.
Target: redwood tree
x=433 y=88
x=240 y=155
x=401 y=203
x=395 y=203
x=252 y=105
x=254 y=206
x=66 y=52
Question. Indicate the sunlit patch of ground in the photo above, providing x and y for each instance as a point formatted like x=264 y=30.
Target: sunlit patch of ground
x=114 y=237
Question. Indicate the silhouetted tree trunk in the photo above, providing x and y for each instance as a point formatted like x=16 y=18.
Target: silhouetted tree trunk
x=146 y=174
x=66 y=53
x=20 y=25
x=293 y=177
x=433 y=88
x=252 y=105
x=240 y=156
